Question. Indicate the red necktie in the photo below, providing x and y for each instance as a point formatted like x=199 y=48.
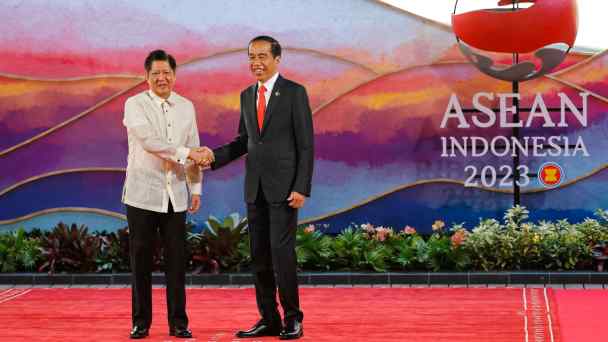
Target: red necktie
x=261 y=106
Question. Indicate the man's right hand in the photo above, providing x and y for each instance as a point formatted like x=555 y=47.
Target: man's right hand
x=203 y=156
x=196 y=155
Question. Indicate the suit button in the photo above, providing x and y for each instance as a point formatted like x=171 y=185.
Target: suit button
x=260 y=143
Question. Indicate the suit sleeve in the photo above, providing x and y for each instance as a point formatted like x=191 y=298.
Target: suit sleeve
x=234 y=149
x=303 y=128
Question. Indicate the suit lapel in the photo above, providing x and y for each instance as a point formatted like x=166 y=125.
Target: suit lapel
x=251 y=110
x=274 y=98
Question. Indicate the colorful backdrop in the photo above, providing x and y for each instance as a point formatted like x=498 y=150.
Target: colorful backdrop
x=379 y=81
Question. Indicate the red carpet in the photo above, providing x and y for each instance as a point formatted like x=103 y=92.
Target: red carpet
x=331 y=314
x=583 y=314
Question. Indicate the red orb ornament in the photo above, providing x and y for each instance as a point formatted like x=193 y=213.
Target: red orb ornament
x=547 y=29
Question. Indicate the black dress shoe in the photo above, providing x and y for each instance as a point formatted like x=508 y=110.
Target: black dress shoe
x=261 y=328
x=138 y=332
x=292 y=331
x=180 y=332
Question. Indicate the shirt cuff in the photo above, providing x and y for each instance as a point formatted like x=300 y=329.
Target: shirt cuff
x=181 y=157
x=196 y=188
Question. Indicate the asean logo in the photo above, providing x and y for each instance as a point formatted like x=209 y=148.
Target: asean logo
x=542 y=33
x=551 y=175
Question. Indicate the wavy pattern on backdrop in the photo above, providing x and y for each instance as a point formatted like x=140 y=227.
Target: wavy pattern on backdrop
x=378 y=93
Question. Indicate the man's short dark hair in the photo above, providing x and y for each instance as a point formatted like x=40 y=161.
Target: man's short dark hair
x=275 y=47
x=159 y=55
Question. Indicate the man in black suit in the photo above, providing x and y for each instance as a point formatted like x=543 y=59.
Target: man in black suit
x=276 y=133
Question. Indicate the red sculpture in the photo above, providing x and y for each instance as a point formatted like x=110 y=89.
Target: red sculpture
x=519 y=31
x=548 y=28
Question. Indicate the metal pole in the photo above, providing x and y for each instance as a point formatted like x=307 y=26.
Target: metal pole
x=516 y=175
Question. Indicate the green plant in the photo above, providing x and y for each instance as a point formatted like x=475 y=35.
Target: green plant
x=594 y=230
x=376 y=257
x=515 y=243
x=218 y=246
x=114 y=251
x=363 y=247
x=35 y=233
x=437 y=252
x=18 y=252
x=563 y=246
x=518 y=244
x=483 y=244
x=349 y=248
x=313 y=249
x=512 y=245
x=599 y=252
x=70 y=249
x=516 y=216
x=442 y=250
x=460 y=259
x=406 y=255
x=602 y=215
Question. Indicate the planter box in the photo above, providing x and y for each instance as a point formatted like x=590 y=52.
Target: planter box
x=324 y=279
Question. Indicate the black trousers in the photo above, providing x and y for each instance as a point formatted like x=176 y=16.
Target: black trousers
x=272 y=233
x=143 y=227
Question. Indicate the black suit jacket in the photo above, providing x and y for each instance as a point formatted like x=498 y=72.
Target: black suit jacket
x=281 y=156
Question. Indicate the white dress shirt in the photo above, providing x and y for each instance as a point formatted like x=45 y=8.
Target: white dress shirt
x=269 y=84
x=160 y=134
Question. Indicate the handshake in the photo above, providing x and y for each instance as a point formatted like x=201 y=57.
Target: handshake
x=202 y=156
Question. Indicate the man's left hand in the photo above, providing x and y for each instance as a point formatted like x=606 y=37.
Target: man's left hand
x=195 y=205
x=296 y=200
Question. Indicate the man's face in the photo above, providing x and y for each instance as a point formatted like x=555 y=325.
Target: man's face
x=161 y=78
x=261 y=62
